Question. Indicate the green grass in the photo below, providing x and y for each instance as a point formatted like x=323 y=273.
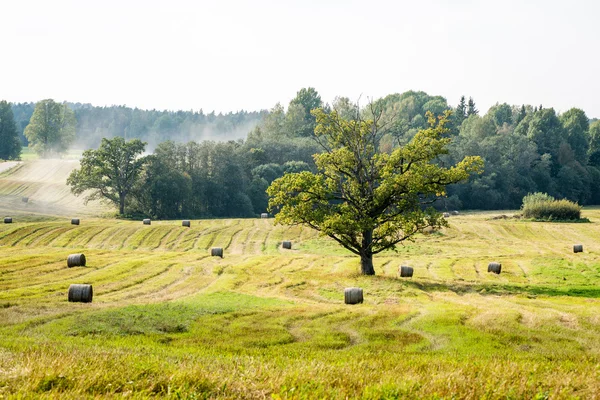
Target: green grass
x=170 y=321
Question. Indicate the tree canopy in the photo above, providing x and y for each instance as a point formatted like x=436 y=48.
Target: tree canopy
x=110 y=172
x=10 y=145
x=51 y=129
x=367 y=200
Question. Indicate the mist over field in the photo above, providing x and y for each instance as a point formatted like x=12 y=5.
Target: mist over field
x=43 y=184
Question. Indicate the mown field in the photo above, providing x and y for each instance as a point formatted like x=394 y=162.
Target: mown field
x=168 y=320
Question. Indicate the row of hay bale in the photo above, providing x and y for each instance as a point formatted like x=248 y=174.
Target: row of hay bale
x=79 y=293
x=9 y=220
x=83 y=292
x=188 y=223
x=218 y=251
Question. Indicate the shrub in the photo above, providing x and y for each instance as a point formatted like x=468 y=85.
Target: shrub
x=544 y=207
x=537 y=197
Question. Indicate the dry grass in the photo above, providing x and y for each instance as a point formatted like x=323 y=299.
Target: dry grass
x=168 y=320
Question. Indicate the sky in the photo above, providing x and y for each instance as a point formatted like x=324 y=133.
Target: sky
x=231 y=55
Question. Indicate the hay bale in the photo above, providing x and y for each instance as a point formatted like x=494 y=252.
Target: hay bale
x=578 y=248
x=7 y=220
x=80 y=293
x=264 y=215
x=216 y=252
x=24 y=199
x=406 y=272
x=286 y=244
x=147 y=221
x=446 y=215
x=353 y=295
x=76 y=260
x=186 y=222
x=75 y=221
x=495 y=267
x=455 y=212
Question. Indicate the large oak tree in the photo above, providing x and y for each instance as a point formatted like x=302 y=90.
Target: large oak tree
x=366 y=200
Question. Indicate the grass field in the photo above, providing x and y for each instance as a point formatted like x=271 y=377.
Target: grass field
x=170 y=321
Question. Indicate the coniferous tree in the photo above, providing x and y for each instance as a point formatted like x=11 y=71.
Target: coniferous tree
x=471 y=110
x=10 y=145
x=521 y=115
x=461 y=111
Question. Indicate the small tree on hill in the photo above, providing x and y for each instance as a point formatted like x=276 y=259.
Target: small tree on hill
x=51 y=128
x=109 y=172
x=366 y=200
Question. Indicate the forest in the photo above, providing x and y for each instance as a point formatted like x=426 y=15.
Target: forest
x=206 y=165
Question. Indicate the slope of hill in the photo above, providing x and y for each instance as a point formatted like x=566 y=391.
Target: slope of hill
x=43 y=183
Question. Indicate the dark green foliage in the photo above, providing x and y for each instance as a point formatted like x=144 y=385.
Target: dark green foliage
x=10 y=145
x=110 y=172
x=541 y=206
x=461 y=111
x=306 y=100
x=471 y=109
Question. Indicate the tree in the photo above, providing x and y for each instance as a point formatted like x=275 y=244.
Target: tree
x=109 y=172
x=594 y=148
x=471 y=109
x=366 y=200
x=577 y=127
x=10 y=145
x=461 y=111
x=309 y=99
x=51 y=129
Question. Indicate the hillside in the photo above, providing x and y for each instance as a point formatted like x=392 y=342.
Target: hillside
x=169 y=320
x=43 y=183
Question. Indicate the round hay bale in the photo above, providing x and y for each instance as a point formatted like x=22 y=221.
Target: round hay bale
x=186 y=222
x=264 y=215
x=495 y=267
x=75 y=221
x=578 y=248
x=286 y=244
x=455 y=212
x=76 y=260
x=7 y=220
x=353 y=295
x=24 y=199
x=446 y=215
x=80 y=293
x=406 y=272
x=147 y=221
x=216 y=252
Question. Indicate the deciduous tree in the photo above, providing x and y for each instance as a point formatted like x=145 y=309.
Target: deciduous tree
x=366 y=200
x=51 y=129
x=109 y=172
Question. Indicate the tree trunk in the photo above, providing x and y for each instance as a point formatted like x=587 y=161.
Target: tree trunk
x=121 y=204
x=366 y=264
x=366 y=256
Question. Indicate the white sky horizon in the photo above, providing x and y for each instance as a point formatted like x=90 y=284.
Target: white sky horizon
x=230 y=55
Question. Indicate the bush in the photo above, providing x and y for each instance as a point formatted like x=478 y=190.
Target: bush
x=538 y=197
x=544 y=207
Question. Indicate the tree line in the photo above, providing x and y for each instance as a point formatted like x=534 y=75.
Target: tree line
x=525 y=148
x=92 y=123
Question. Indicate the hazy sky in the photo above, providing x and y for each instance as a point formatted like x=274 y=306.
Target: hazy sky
x=232 y=55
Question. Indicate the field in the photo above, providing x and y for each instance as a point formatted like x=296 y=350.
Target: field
x=168 y=320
